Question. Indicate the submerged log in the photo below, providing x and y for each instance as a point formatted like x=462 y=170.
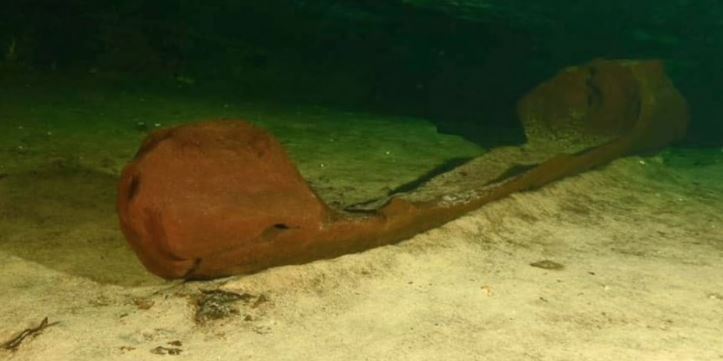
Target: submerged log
x=220 y=198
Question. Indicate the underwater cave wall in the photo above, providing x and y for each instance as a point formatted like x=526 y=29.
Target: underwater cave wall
x=461 y=63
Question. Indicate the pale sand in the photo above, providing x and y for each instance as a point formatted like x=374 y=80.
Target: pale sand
x=641 y=242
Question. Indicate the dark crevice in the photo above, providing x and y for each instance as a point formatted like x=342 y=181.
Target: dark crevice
x=270 y=233
x=638 y=107
x=151 y=143
x=513 y=171
x=426 y=177
x=370 y=206
x=594 y=94
x=193 y=269
x=133 y=188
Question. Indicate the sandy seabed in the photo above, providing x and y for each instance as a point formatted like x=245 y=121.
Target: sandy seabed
x=640 y=243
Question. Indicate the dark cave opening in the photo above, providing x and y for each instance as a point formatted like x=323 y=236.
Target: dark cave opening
x=462 y=69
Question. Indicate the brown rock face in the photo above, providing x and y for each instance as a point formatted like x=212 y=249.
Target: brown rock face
x=220 y=198
x=601 y=101
x=197 y=190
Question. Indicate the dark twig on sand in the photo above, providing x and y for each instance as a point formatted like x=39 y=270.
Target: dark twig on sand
x=15 y=342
